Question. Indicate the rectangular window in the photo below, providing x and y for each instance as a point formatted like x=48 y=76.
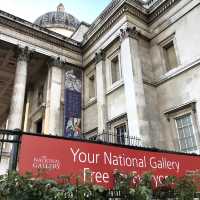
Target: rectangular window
x=170 y=56
x=115 y=70
x=91 y=87
x=39 y=126
x=185 y=130
x=120 y=132
x=40 y=95
x=93 y=138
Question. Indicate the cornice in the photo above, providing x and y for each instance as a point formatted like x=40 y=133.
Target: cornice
x=116 y=119
x=125 y=8
x=106 y=12
x=147 y=13
x=117 y=8
x=151 y=5
x=38 y=32
x=171 y=75
x=163 y=8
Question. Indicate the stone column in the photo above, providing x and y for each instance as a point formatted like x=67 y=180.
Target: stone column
x=133 y=83
x=53 y=99
x=101 y=91
x=17 y=102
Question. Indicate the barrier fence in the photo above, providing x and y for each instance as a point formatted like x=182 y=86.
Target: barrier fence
x=10 y=141
x=121 y=139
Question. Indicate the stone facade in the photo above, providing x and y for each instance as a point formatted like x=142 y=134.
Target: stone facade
x=127 y=80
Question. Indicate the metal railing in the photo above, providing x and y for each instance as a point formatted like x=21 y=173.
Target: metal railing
x=10 y=141
x=113 y=138
x=9 y=146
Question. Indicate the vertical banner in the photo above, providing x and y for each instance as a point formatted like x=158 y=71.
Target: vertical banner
x=72 y=102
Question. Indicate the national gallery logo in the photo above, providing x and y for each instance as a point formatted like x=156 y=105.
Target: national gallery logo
x=43 y=162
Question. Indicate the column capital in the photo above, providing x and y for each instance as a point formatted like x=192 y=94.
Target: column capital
x=57 y=62
x=131 y=32
x=23 y=54
x=100 y=56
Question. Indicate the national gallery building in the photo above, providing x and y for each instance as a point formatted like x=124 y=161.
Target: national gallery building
x=133 y=73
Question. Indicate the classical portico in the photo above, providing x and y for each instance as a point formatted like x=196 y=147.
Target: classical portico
x=32 y=74
x=23 y=68
x=31 y=87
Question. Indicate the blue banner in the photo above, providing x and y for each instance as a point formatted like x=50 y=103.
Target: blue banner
x=72 y=103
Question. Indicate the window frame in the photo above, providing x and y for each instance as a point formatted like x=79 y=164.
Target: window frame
x=36 y=125
x=117 y=71
x=110 y=58
x=117 y=122
x=40 y=94
x=177 y=112
x=91 y=135
x=193 y=128
x=91 y=82
x=87 y=87
x=163 y=45
x=125 y=134
x=166 y=56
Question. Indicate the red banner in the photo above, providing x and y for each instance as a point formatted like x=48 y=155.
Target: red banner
x=69 y=157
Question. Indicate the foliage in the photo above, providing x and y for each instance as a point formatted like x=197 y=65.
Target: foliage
x=124 y=184
x=144 y=190
x=185 y=188
x=138 y=191
x=166 y=189
x=13 y=187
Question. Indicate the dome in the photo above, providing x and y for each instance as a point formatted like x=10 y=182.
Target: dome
x=58 y=19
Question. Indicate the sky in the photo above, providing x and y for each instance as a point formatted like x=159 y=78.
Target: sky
x=83 y=10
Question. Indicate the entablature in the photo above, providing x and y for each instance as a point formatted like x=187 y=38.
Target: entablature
x=45 y=42
x=118 y=8
x=35 y=31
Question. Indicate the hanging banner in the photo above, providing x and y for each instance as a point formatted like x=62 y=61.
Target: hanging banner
x=72 y=158
x=72 y=102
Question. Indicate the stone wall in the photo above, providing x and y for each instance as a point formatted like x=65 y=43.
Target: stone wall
x=178 y=86
x=174 y=93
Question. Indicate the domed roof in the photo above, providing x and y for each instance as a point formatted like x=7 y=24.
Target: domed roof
x=58 y=19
